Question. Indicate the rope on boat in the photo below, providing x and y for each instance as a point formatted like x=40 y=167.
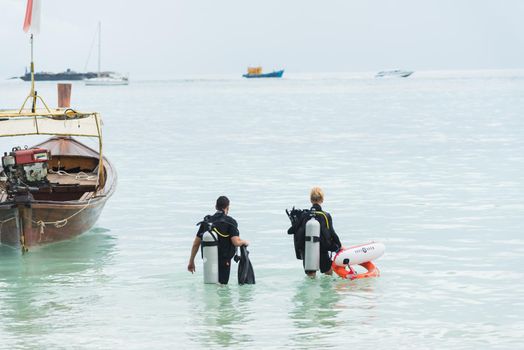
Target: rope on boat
x=4 y=221
x=58 y=223
x=22 y=240
x=78 y=176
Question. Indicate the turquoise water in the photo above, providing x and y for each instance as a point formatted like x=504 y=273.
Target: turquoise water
x=431 y=166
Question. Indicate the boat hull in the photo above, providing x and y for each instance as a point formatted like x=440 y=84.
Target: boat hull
x=394 y=74
x=30 y=220
x=93 y=82
x=276 y=74
x=59 y=76
x=39 y=223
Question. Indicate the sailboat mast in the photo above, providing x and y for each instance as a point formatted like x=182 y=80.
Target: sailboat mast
x=99 y=45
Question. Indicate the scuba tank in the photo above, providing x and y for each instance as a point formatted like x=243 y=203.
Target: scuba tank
x=312 y=249
x=209 y=247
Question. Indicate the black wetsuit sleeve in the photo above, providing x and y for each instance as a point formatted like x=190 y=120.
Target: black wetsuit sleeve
x=233 y=228
x=201 y=230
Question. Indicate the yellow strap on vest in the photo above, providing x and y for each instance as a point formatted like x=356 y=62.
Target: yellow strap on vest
x=325 y=216
x=220 y=233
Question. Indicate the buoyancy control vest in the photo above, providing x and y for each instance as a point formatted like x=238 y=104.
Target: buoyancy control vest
x=299 y=218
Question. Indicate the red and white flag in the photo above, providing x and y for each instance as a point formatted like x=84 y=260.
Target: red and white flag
x=32 y=17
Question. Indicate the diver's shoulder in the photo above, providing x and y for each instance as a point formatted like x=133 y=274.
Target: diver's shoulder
x=230 y=220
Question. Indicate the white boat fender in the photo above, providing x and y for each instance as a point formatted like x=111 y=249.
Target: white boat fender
x=209 y=248
x=312 y=248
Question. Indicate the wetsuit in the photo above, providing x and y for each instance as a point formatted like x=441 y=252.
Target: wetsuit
x=224 y=227
x=329 y=241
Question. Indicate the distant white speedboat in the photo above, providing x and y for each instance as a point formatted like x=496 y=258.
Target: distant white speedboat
x=399 y=73
x=108 y=79
x=105 y=78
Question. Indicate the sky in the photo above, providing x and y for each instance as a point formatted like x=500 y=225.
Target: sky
x=165 y=39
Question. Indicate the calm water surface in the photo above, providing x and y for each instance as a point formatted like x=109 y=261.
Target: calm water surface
x=431 y=166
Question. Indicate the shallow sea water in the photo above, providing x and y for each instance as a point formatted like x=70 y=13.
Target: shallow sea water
x=431 y=166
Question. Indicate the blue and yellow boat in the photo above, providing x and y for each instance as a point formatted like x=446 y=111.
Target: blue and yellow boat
x=256 y=72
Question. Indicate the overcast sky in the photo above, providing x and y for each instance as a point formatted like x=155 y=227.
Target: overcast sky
x=170 y=38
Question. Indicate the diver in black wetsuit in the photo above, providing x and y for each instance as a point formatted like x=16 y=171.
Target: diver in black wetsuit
x=228 y=239
x=329 y=240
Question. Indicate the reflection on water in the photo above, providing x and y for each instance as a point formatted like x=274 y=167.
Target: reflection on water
x=33 y=285
x=90 y=250
x=226 y=309
x=331 y=307
x=315 y=303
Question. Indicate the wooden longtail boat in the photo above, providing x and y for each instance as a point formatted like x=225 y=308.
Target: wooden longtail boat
x=55 y=190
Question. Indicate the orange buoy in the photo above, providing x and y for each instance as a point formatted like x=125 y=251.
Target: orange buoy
x=348 y=273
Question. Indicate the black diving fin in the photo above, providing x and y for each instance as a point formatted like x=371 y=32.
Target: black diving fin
x=246 y=275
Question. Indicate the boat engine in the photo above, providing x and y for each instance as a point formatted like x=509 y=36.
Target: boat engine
x=26 y=169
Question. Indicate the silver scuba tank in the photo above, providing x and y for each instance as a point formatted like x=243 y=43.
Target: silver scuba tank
x=210 y=257
x=312 y=251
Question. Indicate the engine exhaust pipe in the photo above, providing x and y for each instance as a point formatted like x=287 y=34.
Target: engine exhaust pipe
x=64 y=95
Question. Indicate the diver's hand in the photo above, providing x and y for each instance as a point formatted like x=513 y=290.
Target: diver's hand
x=238 y=242
x=191 y=267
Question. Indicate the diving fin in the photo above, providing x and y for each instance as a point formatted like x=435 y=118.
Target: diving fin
x=246 y=275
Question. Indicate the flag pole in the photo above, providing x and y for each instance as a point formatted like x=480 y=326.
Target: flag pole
x=33 y=95
x=33 y=92
x=32 y=25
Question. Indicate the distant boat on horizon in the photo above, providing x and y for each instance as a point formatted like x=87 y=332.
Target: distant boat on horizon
x=105 y=78
x=67 y=75
x=108 y=78
x=256 y=72
x=394 y=73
